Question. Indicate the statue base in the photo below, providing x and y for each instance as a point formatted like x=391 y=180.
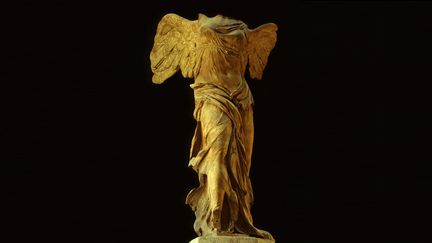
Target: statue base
x=230 y=239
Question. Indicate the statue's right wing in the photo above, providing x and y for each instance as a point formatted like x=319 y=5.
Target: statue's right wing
x=174 y=48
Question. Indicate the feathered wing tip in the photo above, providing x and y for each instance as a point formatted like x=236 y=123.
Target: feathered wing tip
x=174 y=48
x=261 y=41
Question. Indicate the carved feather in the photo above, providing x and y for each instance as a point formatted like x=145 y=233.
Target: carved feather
x=174 y=48
x=261 y=41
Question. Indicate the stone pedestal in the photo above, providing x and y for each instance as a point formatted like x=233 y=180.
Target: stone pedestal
x=230 y=239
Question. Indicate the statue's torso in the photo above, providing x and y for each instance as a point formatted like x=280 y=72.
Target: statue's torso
x=224 y=58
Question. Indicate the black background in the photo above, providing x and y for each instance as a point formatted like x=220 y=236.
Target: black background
x=99 y=153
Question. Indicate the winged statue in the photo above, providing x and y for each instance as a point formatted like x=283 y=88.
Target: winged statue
x=215 y=52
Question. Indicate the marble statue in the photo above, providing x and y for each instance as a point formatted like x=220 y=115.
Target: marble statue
x=215 y=52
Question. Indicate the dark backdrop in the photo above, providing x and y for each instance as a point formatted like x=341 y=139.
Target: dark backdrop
x=100 y=153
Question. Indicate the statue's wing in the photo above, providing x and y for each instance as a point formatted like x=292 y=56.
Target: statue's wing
x=174 y=48
x=261 y=41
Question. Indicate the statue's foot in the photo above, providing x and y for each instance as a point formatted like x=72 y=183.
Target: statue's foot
x=215 y=219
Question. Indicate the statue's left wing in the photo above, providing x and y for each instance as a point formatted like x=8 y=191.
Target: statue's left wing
x=174 y=48
x=261 y=41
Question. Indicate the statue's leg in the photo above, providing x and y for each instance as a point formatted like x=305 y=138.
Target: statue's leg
x=248 y=133
x=217 y=129
x=216 y=195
